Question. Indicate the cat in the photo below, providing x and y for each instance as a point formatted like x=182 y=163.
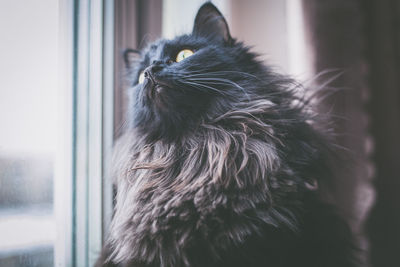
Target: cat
x=222 y=162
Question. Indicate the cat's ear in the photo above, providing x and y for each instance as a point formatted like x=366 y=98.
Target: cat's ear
x=210 y=23
x=131 y=57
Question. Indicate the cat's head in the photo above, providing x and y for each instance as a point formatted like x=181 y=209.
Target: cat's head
x=181 y=82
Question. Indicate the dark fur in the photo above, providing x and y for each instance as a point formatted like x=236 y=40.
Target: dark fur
x=221 y=164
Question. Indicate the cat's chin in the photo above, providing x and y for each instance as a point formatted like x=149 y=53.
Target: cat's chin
x=154 y=91
x=161 y=123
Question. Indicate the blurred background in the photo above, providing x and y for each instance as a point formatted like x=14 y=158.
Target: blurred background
x=62 y=105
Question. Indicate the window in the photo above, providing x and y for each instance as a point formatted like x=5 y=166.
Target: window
x=28 y=136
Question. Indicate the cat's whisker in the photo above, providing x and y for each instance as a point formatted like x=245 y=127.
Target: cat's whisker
x=224 y=72
x=202 y=86
x=273 y=81
x=220 y=81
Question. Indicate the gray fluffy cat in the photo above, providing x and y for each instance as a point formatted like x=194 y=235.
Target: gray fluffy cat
x=218 y=167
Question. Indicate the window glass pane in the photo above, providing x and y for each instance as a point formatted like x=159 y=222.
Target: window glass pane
x=28 y=108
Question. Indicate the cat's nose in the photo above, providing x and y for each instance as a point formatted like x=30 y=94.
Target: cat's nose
x=150 y=71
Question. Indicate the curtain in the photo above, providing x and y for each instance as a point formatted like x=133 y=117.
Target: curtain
x=383 y=39
x=361 y=39
x=137 y=22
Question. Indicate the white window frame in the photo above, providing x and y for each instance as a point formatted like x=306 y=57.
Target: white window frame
x=83 y=190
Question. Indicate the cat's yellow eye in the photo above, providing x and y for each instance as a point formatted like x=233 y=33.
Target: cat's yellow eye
x=141 y=77
x=185 y=53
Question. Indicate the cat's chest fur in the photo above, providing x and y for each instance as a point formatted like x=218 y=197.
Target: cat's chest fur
x=223 y=197
x=176 y=199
